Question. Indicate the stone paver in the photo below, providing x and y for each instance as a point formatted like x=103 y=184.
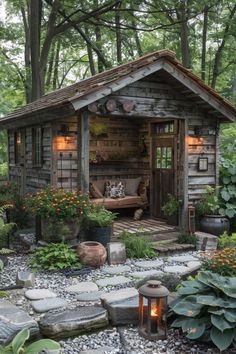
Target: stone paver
x=83 y=287
x=149 y=264
x=38 y=294
x=182 y=259
x=102 y=350
x=123 y=312
x=118 y=280
x=25 y=279
x=48 y=304
x=119 y=295
x=206 y=242
x=147 y=273
x=116 y=269
x=116 y=253
x=176 y=269
x=91 y=296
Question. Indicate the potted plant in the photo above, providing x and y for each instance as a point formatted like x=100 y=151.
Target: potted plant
x=61 y=212
x=98 y=225
x=208 y=209
x=171 y=209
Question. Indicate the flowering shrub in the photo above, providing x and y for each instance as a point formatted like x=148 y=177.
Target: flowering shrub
x=222 y=262
x=57 y=203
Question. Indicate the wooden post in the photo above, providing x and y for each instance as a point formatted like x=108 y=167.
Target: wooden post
x=184 y=216
x=83 y=162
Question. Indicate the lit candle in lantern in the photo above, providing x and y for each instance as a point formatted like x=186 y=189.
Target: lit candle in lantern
x=154 y=318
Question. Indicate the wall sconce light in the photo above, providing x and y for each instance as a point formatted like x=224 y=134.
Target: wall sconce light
x=18 y=138
x=152 y=310
x=65 y=138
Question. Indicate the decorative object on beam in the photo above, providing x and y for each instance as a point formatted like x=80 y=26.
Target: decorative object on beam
x=93 y=107
x=128 y=106
x=203 y=164
x=111 y=105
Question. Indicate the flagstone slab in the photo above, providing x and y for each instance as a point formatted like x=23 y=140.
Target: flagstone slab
x=48 y=304
x=147 y=273
x=12 y=320
x=38 y=294
x=149 y=264
x=117 y=280
x=177 y=269
x=70 y=323
x=102 y=350
x=123 y=312
x=183 y=259
x=119 y=295
x=82 y=287
x=91 y=296
x=116 y=269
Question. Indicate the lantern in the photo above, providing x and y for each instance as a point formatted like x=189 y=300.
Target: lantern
x=152 y=310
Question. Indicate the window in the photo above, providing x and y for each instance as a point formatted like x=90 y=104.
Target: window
x=164 y=157
x=37 y=146
x=17 y=146
x=165 y=128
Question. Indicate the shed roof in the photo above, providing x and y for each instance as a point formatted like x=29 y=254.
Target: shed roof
x=89 y=90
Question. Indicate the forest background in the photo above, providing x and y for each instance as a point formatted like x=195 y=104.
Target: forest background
x=49 y=44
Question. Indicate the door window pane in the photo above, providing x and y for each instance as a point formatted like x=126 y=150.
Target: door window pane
x=165 y=128
x=164 y=157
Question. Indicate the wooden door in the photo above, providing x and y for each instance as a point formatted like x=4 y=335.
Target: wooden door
x=163 y=165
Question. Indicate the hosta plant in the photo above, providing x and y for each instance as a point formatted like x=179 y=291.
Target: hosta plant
x=222 y=262
x=206 y=309
x=18 y=346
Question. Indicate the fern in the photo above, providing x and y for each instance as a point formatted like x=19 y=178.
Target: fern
x=5 y=229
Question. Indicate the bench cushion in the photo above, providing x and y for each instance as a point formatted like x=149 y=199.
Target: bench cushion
x=127 y=202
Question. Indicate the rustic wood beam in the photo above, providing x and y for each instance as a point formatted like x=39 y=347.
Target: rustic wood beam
x=83 y=162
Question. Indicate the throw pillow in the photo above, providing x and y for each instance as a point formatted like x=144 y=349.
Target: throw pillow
x=114 y=189
x=131 y=185
x=94 y=191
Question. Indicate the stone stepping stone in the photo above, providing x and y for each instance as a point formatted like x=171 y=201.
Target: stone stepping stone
x=149 y=264
x=25 y=279
x=12 y=320
x=48 y=304
x=38 y=294
x=83 y=287
x=102 y=350
x=118 y=280
x=194 y=265
x=116 y=269
x=92 y=296
x=119 y=295
x=70 y=323
x=147 y=273
x=176 y=269
x=182 y=259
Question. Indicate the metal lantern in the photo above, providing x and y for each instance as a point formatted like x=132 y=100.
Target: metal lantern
x=152 y=310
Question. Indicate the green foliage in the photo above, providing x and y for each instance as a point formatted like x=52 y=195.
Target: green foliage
x=18 y=346
x=226 y=240
x=99 y=217
x=222 y=262
x=1 y=265
x=137 y=246
x=5 y=229
x=187 y=238
x=209 y=203
x=172 y=206
x=206 y=309
x=98 y=129
x=3 y=294
x=6 y=251
x=53 y=257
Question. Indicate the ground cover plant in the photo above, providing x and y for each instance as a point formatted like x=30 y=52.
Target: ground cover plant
x=54 y=257
x=206 y=309
x=137 y=246
x=187 y=238
x=222 y=262
x=227 y=241
x=5 y=228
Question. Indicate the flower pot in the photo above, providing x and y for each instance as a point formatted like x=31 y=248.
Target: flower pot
x=99 y=234
x=172 y=220
x=53 y=230
x=214 y=224
x=92 y=253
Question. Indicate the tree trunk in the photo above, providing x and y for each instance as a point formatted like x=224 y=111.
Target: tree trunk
x=27 y=83
x=50 y=66
x=98 y=45
x=118 y=34
x=56 y=64
x=204 y=40
x=184 y=34
x=90 y=54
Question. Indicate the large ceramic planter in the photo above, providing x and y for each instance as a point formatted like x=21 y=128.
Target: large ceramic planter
x=53 y=230
x=92 y=253
x=99 y=234
x=214 y=224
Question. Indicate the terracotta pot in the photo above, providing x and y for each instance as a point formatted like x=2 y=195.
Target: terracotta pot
x=52 y=230
x=92 y=253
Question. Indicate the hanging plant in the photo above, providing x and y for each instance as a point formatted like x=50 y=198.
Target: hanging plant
x=99 y=129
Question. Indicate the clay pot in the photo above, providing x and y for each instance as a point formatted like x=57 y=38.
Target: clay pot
x=92 y=253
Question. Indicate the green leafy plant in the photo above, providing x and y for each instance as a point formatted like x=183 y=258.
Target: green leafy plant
x=206 y=309
x=3 y=294
x=53 y=257
x=222 y=262
x=209 y=203
x=137 y=246
x=187 y=238
x=1 y=265
x=227 y=241
x=18 y=346
x=99 y=217
x=99 y=129
x=6 y=251
x=172 y=206
x=5 y=228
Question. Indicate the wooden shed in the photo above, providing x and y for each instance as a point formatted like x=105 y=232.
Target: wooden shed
x=149 y=118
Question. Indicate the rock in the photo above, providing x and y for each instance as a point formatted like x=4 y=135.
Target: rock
x=149 y=264
x=119 y=295
x=73 y=322
x=116 y=253
x=12 y=320
x=102 y=350
x=176 y=269
x=182 y=259
x=48 y=304
x=147 y=273
x=123 y=312
x=118 y=280
x=116 y=269
x=91 y=296
x=206 y=242
x=195 y=265
x=83 y=287
x=25 y=279
x=38 y=294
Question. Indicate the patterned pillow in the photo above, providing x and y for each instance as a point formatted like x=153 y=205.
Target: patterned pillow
x=114 y=189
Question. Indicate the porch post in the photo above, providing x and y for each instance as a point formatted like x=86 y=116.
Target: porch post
x=83 y=162
x=184 y=214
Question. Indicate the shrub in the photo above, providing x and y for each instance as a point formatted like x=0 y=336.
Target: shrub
x=172 y=206
x=221 y=262
x=99 y=217
x=5 y=229
x=137 y=246
x=209 y=203
x=226 y=240
x=54 y=256
x=3 y=294
x=187 y=238
x=206 y=309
